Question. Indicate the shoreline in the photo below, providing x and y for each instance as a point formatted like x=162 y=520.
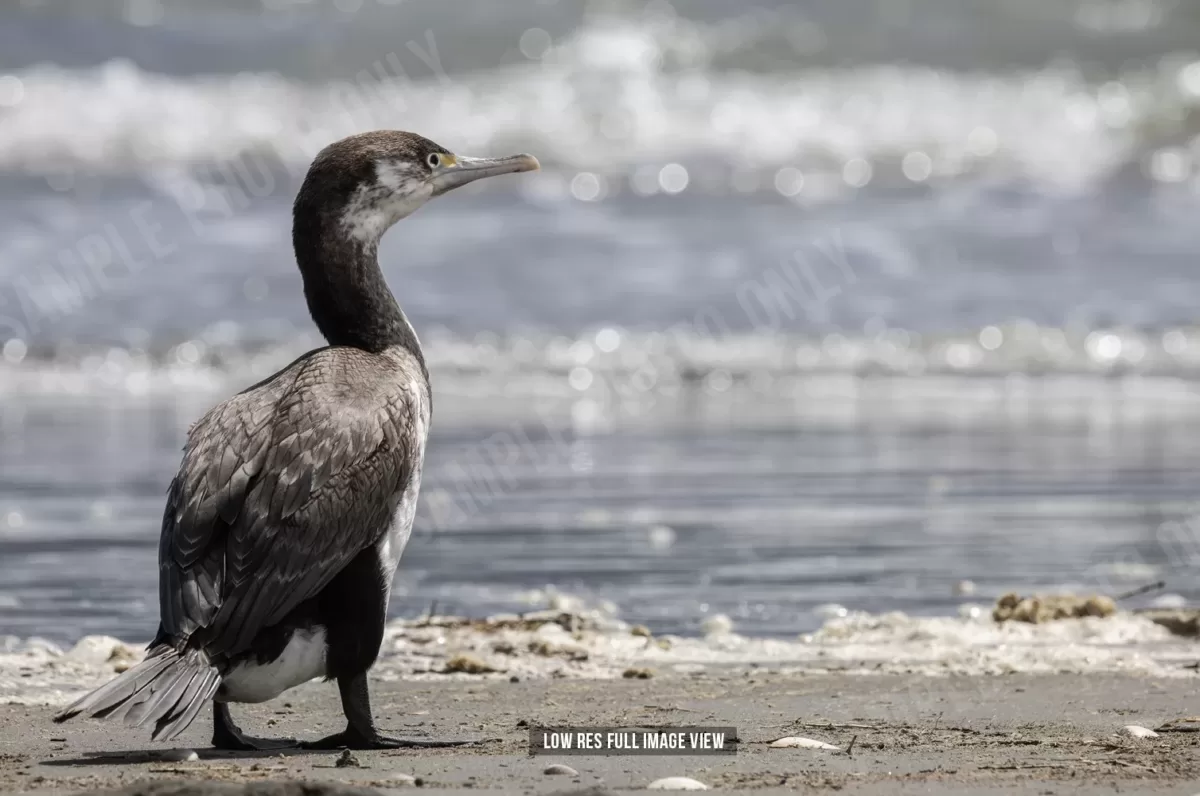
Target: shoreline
x=576 y=642
x=896 y=734
x=942 y=705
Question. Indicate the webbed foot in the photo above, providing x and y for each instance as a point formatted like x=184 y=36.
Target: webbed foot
x=353 y=739
x=228 y=737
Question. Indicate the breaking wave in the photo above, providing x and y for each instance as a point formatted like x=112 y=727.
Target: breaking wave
x=624 y=96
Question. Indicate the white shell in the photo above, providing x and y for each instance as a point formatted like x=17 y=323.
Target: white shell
x=180 y=756
x=796 y=742
x=1134 y=731
x=676 y=783
x=559 y=768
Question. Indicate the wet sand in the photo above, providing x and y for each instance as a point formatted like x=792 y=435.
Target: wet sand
x=898 y=734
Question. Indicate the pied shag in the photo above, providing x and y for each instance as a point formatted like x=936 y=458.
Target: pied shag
x=295 y=498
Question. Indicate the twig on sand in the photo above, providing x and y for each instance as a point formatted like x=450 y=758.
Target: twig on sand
x=430 y=614
x=1128 y=764
x=669 y=707
x=965 y=730
x=850 y=748
x=1149 y=587
x=1123 y=763
x=812 y=725
x=1022 y=766
x=1171 y=726
x=938 y=720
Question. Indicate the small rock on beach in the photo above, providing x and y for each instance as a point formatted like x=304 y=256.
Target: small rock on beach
x=347 y=760
x=558 y=768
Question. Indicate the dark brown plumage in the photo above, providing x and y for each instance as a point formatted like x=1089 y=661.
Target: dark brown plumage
x=264 y=496
x=296 y=497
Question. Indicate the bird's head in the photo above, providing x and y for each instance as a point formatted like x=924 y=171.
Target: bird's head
x=372 y=180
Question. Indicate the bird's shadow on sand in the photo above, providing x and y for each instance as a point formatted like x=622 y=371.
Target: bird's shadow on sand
x=165 y=758
x=170 y=757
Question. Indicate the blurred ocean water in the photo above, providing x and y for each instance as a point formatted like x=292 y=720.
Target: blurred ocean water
x=813 y=302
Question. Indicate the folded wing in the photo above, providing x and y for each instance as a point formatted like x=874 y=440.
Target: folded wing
x=280 y=488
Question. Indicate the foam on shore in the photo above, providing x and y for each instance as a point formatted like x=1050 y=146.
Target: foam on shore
x=590 y=643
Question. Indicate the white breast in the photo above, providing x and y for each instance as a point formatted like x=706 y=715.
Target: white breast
x=392 y=545
x=301 y=660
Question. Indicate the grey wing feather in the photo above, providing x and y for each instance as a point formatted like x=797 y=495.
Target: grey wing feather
x=280 y=488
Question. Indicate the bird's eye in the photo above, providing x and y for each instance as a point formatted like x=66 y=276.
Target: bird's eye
x=434 y=160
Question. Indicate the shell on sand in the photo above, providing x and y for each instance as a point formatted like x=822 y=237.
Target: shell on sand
x=796 y=742
x=179 y=756
x=676 y=783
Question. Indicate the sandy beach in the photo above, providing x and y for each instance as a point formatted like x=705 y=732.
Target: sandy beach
x=911 y=705
x=941 y=705
x=896 y=734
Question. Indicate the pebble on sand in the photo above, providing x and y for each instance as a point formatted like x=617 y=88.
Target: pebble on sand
x=1134 y=731
x=559 y=768
x=676 y=783
x=347 y=760
x=637 y=673
x=180 y=756
x=796 y=742
x=404 y=779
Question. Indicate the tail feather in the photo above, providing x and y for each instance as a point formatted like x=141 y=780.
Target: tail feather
x=167 y=688
x=114 y=693
x=150 y=684
x=134 y=711
x=160 y=699
x=198 y=692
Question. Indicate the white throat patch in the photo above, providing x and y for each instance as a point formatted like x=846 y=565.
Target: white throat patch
x=398 y=191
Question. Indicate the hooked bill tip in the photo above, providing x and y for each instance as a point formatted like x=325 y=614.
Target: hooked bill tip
x=528 y=162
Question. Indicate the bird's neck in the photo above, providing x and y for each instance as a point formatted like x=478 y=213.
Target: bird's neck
x=348 y=298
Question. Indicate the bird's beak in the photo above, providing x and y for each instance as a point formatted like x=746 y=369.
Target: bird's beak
x=459 y=171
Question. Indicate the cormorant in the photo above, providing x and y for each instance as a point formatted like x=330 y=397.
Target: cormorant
x=296 y=497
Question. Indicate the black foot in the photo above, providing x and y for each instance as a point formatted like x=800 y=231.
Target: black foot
x=360 y=732
x=228 y=737
x=352 y=739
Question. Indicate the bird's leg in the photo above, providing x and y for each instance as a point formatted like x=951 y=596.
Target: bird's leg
x=226 y=734
x=360 y=732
